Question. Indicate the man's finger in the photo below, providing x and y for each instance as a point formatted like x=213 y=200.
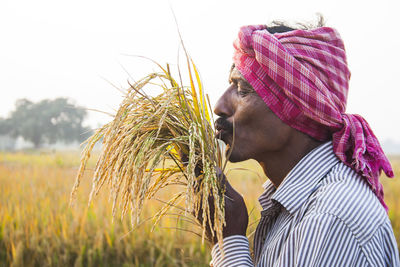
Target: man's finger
x=223 y=181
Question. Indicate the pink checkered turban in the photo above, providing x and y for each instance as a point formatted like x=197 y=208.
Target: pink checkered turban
x=302 y=76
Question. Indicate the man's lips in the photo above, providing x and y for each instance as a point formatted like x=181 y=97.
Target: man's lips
x=223 y=136
x=223 y=129
x=219 y=133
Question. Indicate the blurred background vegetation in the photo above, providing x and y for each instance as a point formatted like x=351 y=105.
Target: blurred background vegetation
x=43 y=123
x=39 y=228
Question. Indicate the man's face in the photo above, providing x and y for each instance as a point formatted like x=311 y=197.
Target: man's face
x=258 y=131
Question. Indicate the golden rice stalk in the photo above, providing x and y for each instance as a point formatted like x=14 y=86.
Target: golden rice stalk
x=141 y=148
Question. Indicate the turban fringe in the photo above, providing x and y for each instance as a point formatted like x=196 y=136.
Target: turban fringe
x=302 y=76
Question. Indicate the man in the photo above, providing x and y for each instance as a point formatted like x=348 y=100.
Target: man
x=323 y=203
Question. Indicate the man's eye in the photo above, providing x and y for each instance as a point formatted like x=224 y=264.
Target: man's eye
x=242 y=93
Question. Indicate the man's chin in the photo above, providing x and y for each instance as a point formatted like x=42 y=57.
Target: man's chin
x=234 y=160
x=234 y=156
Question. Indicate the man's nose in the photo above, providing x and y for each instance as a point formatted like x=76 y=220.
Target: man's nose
x=223 y=108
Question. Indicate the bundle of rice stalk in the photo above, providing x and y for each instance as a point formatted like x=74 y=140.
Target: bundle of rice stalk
x=146 y=135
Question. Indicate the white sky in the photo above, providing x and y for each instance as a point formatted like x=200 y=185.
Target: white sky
x=57 y=48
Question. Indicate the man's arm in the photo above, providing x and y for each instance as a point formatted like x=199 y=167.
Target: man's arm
x=236 y=252
x=236 y=245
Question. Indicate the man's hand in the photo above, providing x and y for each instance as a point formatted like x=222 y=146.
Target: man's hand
x=236 y=216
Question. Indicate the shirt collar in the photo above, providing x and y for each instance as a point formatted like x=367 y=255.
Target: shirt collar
x=301 y=181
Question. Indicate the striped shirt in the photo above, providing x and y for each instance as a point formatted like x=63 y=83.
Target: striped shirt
x=322 y=214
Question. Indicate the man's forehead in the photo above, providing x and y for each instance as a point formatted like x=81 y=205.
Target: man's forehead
x=236 y=76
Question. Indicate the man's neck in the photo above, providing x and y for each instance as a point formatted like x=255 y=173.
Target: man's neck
x=278 y=164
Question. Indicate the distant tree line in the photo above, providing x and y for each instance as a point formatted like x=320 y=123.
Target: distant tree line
x=46 y=122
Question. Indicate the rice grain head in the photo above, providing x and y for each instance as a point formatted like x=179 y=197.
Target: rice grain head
x=152 y=131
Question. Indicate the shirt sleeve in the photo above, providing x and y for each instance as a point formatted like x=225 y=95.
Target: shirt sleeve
x=321 y=240
x=236 y=252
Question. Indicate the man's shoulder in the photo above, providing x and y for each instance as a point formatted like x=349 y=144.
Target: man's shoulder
x=346 y=195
